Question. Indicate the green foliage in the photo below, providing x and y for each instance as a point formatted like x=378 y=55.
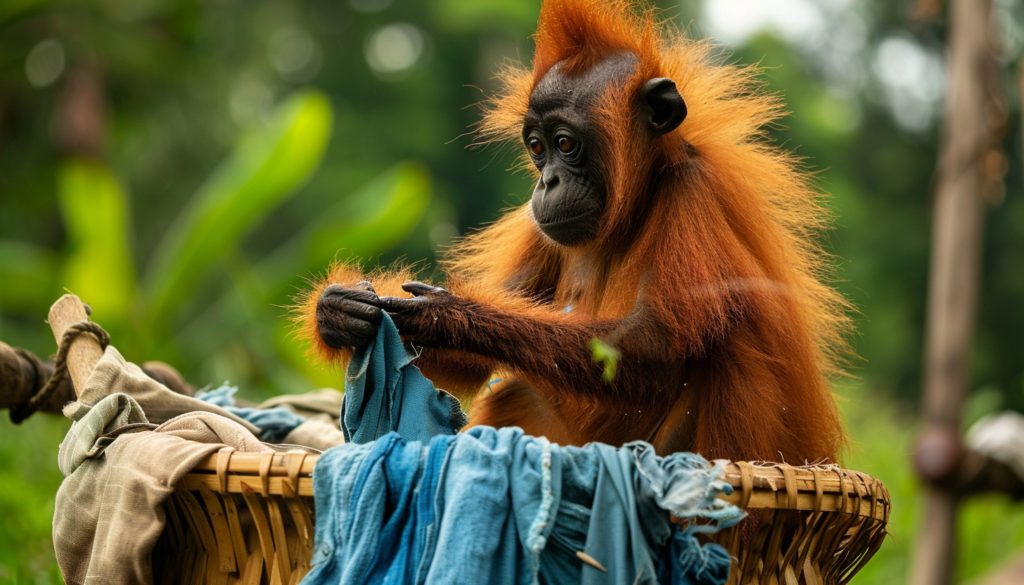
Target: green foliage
x=265 y=169
x=607 y=356
x=227 y=180
x=29 y=478
x=98 y=266
x=990 y=527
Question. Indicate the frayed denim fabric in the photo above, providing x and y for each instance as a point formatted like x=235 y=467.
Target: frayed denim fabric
x=384 y=392
x=497 y=506
x=615 y=506
x=418 y=504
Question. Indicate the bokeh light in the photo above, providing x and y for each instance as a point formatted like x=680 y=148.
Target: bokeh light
x=391 y=51
x=294 y=54
x=45 y=63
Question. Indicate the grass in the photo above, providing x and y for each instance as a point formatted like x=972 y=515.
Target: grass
x=29 y=479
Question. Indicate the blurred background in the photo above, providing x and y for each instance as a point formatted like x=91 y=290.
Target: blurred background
x=184 y=165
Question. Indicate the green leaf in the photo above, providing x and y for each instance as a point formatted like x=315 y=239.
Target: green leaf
x=98 y=268
x=607 y=356
x=27 y=275
x=263 y=172
x=363 y=224
x=371 y=221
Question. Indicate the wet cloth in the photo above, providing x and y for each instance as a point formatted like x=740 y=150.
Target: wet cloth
x=628 y=492
x=384 y=392
x=119 y=469
x=497 y=506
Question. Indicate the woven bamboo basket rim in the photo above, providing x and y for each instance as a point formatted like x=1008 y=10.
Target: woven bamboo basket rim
x=815 y=524
x=812 y=488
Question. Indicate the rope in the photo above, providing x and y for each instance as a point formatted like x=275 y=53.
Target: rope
x=26 y=409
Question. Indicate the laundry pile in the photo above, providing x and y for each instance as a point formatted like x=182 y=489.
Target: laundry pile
x=404 y=497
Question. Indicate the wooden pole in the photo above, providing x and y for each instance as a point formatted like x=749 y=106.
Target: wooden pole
x=954 y=271
x=85 y=351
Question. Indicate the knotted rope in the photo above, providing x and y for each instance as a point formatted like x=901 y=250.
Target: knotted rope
x=26 y=409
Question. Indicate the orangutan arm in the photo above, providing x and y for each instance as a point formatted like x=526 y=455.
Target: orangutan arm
x=545 y=346
x=333 y=326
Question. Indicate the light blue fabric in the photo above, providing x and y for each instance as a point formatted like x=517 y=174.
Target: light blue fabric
x=635 y=488
x=275 y=423
x=478 y=540
x=384 y=392
x=497 y=506
x=423 y=505
x=378 y=506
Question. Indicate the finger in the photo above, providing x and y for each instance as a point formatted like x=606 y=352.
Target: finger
x=334 y=336
x=345 y=331
x=341 y=339
x=337 y=307
x=336 y=293
x=366 y=285
x=360 y=310
x=421 y=288
x=401 y=305
x=360 y=328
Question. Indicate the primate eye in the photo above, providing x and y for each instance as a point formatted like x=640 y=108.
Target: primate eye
x=536 y=146
x=566 y=144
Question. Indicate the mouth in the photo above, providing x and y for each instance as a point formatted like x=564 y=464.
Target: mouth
x=566 y=219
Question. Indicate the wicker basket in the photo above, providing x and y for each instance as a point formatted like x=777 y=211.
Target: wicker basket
x=248 y=518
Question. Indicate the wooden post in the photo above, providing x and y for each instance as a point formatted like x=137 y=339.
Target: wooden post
x=954 y=270
x=85 y=351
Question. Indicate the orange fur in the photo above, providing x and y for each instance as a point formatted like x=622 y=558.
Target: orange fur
x=385 y=282
x=720 y=253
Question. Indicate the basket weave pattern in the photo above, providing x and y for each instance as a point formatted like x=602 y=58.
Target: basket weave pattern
x=248 y=518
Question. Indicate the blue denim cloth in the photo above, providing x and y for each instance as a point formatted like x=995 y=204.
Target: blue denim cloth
x=384 y=392
x=408 y=501
x=478 y=536
x=378 y=509
x=275 y=423
x=497 y=506
x=632 y=496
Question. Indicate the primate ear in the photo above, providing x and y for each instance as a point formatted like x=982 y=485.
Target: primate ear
x=664 y=107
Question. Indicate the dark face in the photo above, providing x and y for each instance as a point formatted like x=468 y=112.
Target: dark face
x=566 y=146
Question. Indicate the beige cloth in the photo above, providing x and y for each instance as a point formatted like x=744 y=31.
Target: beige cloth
x=320 y=432
x=120 y=469
x=114 y=374
x=323 y=401
x=322 y=411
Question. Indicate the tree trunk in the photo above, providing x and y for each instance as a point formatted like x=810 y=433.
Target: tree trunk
x=954 y=270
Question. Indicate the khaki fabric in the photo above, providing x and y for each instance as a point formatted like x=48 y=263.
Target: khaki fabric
x=120 y=467
x=320 y=432
x=322 y=411
x=119 y=470
x=323 y=401
x=114 y=374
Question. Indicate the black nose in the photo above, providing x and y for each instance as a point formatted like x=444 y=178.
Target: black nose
x=549 y=178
